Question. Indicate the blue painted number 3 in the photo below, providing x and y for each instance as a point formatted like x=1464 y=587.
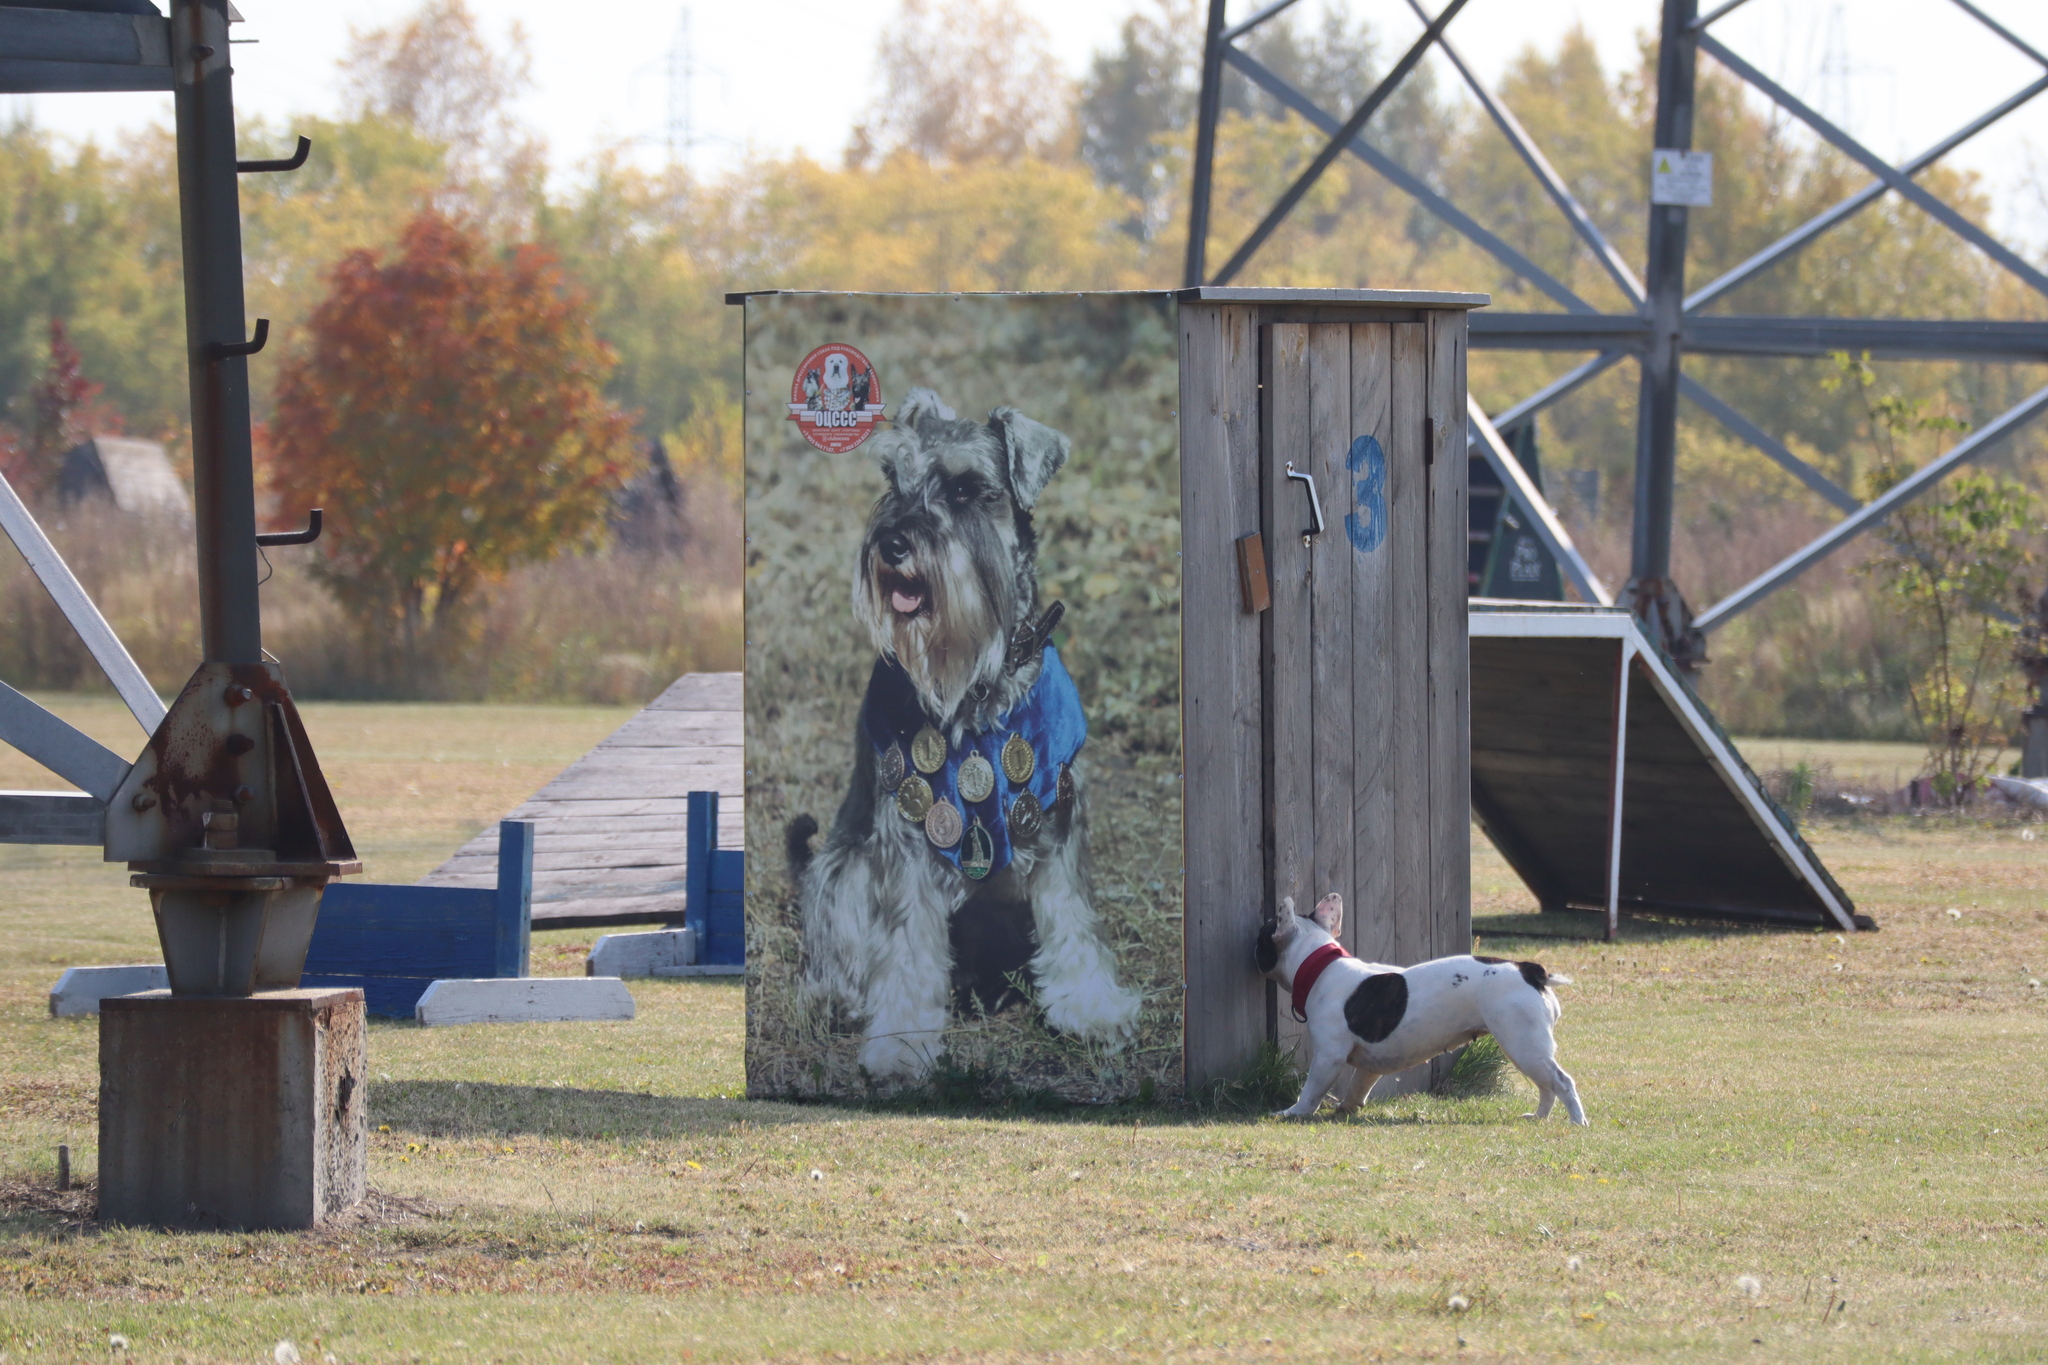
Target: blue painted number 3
x=1367 y=526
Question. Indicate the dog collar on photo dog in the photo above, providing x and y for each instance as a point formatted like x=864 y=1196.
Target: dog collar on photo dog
x=979 y=798
x=1311 y=972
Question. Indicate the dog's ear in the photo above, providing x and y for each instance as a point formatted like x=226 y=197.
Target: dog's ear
x=1034 y=450
x=1330 y=914
x=1286 y=922
x=921 y=406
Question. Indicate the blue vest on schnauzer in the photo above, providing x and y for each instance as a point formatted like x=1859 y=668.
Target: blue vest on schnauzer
x=1049 y=718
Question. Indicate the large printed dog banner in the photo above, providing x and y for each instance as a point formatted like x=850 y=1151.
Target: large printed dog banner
x=963 y=693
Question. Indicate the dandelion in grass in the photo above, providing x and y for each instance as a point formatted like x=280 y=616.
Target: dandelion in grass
x=817 y=1174
x=117 y=1342
x=961 y=1214
x=284 y=1353
x=1457 y=1303
x=1574 y=1265
x=1953 y=913
x=1749 y=1285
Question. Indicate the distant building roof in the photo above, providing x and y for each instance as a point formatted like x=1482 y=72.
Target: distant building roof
x=136 y=476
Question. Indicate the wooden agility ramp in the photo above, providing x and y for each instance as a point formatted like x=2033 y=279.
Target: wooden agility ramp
x=611 y=831
x=1607 y=785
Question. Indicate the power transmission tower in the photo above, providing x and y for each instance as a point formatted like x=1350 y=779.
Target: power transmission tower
x=1667 y=323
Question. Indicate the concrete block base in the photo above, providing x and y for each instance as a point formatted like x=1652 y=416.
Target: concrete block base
x=524 y=1000
x=649 y=954
x=232 y=1112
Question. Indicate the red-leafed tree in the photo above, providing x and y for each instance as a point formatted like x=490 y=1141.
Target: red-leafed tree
x=446 y=408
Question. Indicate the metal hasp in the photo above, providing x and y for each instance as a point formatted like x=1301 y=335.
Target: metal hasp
x=1659 y=323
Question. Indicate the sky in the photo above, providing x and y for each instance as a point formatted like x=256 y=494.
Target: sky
x=771 y=76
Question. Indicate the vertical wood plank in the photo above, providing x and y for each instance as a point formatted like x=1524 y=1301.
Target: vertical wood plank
x=1329 y=728
x=1222 y=704
x=1406 y=936
x=1450 y=682
x=1289 y=711
x=1373 y=793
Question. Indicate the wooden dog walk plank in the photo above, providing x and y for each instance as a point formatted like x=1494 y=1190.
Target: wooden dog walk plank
x=1604 y=782
x=610 y=831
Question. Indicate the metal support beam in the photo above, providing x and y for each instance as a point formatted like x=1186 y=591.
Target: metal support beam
x=1872 y=513
x=1650 y=592
x=60 y=746
x=1542 y=517
x=71 y=599
x=1803 y=235
x=1876 y=165
x=1411 y=185
x=1738 y=334
x=1207 y=112
x=1556 y=389
x=1334 y=148
x=1770 y=445
x=209 y=202
x=1539 y=166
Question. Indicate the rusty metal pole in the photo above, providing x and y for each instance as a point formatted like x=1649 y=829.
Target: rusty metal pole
x=216 y=342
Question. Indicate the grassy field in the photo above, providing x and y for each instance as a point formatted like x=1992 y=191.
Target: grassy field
x=1803 y=1148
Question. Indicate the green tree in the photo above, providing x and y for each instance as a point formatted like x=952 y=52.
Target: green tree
x=1952 y=564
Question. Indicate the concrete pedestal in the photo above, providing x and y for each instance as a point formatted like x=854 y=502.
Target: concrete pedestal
x=232 y=1112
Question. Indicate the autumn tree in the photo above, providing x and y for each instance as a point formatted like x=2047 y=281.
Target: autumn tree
x=963 y=81
x=446 y=409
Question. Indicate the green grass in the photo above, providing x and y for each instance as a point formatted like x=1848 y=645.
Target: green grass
x=1856 y=1119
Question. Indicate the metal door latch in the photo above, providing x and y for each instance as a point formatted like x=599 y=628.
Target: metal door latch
x=1315 y=505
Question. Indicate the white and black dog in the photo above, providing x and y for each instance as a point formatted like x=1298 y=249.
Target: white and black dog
x=955 y=865
x=1382 y=1019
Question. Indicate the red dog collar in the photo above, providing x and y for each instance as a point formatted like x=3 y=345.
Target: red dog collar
x=1311 y=972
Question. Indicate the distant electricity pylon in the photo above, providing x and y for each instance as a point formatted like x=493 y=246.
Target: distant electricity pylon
x=682 y=75
x=1664 y=321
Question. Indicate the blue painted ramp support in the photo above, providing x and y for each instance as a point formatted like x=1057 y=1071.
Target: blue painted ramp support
x=714 y=888
x=395 y=941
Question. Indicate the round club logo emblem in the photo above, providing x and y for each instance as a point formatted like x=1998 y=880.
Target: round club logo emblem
x=835 y=398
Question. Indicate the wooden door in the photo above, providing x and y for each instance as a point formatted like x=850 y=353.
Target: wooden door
x=1366 y=729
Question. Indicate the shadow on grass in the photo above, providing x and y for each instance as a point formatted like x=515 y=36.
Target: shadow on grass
x=473 y=1108
x=1590 y=926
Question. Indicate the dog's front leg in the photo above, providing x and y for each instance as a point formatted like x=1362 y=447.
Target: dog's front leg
x=1322 y=1074
x=909 y=966
x=1076 y=974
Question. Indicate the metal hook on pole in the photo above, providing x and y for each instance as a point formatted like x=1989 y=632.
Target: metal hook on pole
x=222 y=350
x=289 y=163
x=305 y=537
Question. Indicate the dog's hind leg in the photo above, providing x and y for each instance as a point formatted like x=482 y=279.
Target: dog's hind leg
x=1355 y=1093
x=1528 y=1043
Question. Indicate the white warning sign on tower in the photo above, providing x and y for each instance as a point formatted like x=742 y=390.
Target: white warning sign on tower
x=1683 y=178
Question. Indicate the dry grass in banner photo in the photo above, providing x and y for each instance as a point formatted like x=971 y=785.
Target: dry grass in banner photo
x=1063 y=460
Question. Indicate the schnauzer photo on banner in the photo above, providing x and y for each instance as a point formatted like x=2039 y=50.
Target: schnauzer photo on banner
x=963 y=693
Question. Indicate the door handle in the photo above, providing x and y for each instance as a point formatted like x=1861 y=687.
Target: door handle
x=1315 y=504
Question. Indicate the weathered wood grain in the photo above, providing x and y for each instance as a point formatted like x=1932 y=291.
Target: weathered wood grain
x=611 y=829
x=1450 y=735
x=1331 y=657
x=1374 y=790
x=1222 y=692
x=1405 y=938
x=1289 y=632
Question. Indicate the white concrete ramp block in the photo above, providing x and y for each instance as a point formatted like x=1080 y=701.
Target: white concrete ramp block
x=654 y=954
x=80 y=989
x=524 y=1000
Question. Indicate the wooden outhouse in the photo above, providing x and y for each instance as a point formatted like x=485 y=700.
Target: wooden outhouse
x=1249 y=506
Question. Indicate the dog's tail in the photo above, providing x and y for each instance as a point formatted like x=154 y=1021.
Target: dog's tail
x=796 y=842
x=1541 y=981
